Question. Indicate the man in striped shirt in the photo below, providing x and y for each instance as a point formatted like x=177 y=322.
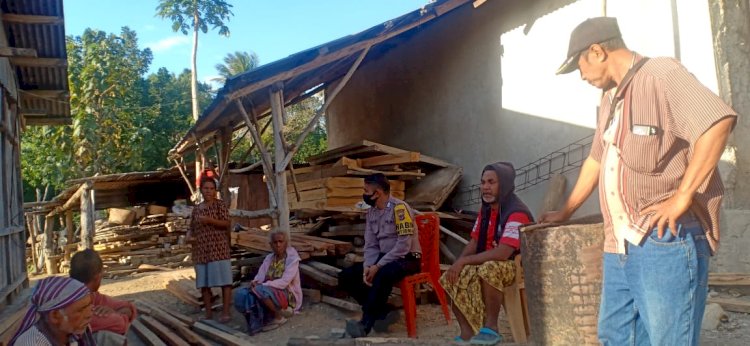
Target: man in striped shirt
x=659 y=136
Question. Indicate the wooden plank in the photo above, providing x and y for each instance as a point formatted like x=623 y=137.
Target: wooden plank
x=447 y=253
x=731 y=304
x=352 y=233
x=39 y=62
x=391 y=159
x=227 y=329
x=318 y=275
x=325 y=268
x=252 y=214
x=163 y=332
x=179 y=316
x=342 y=247
x=311 y=295
x=728 y=279
x=10 y=52
x=181 y=328
x=146 y=334
x=340 y=303
x=218 y=335
x=347 y=228
x=434 y=189
x=32 y=19
x=182 y=295
x=309 y=195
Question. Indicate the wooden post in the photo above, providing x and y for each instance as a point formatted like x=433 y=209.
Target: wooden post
x=226 y=142
x=87 y=217
x=264 y=155
x=49 y=246
x=70 y=230
x=32 y=236
x=277 y=110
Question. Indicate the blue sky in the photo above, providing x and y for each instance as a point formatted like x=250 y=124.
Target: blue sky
x=273 y=29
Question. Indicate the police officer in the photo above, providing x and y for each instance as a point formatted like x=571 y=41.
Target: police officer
x=392 y=252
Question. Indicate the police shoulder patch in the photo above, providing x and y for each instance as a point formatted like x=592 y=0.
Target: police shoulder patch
x=403 y=221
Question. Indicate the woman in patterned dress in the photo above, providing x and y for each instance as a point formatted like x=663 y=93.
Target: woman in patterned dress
x=209 y=233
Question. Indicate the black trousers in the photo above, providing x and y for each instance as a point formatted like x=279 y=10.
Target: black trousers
x=374 y=298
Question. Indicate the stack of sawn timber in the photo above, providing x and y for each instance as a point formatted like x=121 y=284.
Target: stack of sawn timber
x=127 y=243
x=308 y=246
x=333 y=181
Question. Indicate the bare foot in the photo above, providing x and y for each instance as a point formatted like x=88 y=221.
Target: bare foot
x=225 y=318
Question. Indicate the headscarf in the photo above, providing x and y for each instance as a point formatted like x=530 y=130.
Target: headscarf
x=509 y=203
x=50 y=294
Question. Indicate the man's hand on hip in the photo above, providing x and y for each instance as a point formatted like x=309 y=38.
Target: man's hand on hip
x=668 y=212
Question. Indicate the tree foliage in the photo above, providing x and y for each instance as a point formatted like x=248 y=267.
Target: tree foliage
x=196 y=15
x=123 y=121
x=298 y=115
x=236 y=63
x=190 y=15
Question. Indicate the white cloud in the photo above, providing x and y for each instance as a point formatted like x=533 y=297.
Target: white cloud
x=168 y=43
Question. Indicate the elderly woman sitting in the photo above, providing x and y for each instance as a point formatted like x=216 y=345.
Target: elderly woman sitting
x=277 y=284
x=59 y=314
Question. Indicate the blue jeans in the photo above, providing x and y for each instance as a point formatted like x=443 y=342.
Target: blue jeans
x=656 y=294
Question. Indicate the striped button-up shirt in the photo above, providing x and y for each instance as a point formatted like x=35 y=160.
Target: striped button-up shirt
x=645 y=150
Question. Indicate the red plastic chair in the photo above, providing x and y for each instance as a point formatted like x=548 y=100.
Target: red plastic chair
x=428 y=226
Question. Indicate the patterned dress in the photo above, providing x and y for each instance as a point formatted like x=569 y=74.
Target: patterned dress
x=211 y=243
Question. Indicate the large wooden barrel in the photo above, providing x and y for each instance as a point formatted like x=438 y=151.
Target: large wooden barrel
x=563 y=276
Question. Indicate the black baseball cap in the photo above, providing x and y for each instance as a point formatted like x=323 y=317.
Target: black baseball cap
x=379 y=180
x=591 y=31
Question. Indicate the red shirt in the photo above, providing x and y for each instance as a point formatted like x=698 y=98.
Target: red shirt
x=114 y=322
x=510 y=234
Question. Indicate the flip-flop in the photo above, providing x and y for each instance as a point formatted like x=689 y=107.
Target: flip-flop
x=460 y=341
x=273 y=325
x=486 y=336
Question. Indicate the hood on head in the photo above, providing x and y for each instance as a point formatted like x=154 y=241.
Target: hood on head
x=506 y=175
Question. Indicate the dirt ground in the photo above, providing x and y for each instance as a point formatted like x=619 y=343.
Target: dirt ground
x=319 y=319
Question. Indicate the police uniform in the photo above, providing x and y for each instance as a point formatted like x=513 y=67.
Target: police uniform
x=391 y=243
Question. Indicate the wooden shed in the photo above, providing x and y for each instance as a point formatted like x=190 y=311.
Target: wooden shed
x=33 y=77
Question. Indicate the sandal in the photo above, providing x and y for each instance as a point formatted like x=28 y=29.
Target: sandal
x=459 y=341
x=273 y=325
x=486 y=336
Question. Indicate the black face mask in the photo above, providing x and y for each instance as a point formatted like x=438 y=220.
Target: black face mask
x=369 y=199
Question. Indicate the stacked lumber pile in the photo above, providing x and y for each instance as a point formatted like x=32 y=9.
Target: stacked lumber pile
x=333 y=193
x=307 y=246
x=148 y=239
x=158 y=325
x=333 y=181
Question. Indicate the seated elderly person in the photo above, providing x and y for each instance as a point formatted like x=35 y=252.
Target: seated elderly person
x=112 y=317
x=276 y=286
x=59 y=314
x=476 y=280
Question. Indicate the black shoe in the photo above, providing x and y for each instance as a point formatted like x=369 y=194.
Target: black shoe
x=381 y=326
x=355 y=329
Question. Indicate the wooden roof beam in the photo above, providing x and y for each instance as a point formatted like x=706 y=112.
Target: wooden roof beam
x=12 y=52
x=43 y=93
x=48 y=120
x=31 y=19
x=39 y=62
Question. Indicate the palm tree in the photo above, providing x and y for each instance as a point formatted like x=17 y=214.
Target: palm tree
x=234 y=64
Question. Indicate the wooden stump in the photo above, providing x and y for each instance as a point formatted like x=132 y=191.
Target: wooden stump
x=562 y=267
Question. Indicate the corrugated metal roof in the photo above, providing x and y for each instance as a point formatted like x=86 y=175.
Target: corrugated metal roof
x=42 y=79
